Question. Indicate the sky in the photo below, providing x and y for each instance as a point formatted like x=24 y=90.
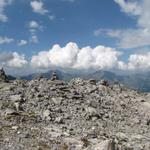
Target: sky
x=39 y=35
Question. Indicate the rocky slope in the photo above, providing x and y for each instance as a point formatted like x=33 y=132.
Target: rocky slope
x=81 y=114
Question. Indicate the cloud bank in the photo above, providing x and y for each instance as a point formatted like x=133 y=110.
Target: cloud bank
x=100 y=57
x=74 y=58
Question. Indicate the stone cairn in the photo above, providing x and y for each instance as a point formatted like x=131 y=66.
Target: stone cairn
x=54 y=76
x=104 y=83
x=3 y=76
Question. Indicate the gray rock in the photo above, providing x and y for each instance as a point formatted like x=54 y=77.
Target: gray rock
x=45 y=114
x=16 y=98
x=105 y=145
x=10 y=112
x=57 y=100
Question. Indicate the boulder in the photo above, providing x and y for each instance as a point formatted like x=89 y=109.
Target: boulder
x=105 y=145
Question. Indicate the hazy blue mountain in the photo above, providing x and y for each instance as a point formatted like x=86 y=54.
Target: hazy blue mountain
x=11 y=77
x=62 y=75
x=137 y=81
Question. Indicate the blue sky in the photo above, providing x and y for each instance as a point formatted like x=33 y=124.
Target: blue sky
x=31 y=27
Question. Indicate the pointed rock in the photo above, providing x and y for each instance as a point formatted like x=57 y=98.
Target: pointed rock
x=3 y=76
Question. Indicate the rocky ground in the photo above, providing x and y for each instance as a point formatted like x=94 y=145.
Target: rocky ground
x=79 y=115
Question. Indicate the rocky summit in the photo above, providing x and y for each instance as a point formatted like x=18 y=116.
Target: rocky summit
x=81 y=114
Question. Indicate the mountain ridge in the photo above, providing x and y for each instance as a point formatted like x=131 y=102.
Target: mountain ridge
x=136 y=81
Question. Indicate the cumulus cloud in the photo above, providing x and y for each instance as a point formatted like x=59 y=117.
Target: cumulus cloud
x=12 y=60
x=98 y=58
x=73 y=57
x=137 y=62
x=3 y=5
x=18 y=61
x=22 y=42
x=5 y=40
x=38 y=7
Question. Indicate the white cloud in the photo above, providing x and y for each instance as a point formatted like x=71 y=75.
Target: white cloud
x=18 y=61
x=3 y=17
x=34 y=39
x=136 y=62
x=3 y=5
x=38 y=7
x=73 y=57
x=100 y=57
x=70 y=1
x=5 y=40
x=33 y=24
x=139 y=61
x=51 y=17
x=136 y=37
x=131 y=38
x=12 y=60
x=108 y=32
x=132 y=7
x=140 y=9
x=22 y=42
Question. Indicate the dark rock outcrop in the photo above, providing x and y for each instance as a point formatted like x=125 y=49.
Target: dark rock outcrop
x=3 y=77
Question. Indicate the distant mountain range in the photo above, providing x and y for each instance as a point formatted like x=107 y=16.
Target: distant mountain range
x=139 y=82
